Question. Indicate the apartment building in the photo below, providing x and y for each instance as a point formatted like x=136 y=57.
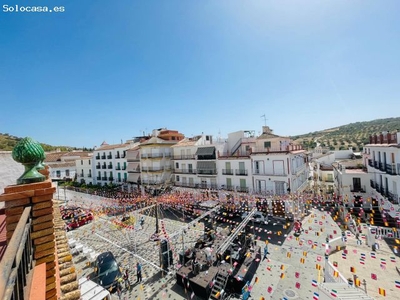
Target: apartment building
x=156 y=157
x=278 y=165
x=84 y=168
x=382 y=158
x=62 y=164
x=110 y=163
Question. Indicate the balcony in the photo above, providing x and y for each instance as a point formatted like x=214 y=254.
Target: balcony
x=372 y=183
x=241 y=172
x=109 y=156
x=124 y=168
x=119 y=180
x=207 y=172
x=357 y=188
x=328 y=180
x=242 y=189
x=155 y=169
x=103 y=157
x=82 y=175
x=104 y=167
x=89 y=175
x=370 y=163
x=227 y=171
x=110 y=178
x=123 y=155
x=391 y=169
x=269 y=173
x=155 y=155
x=382 y=167
x=104 y=178
x=179 y=157
x=150 y=181
x=98 y=177
x=98 y=167
x=117 y=156
x=188 y=185
x=17 y=261
x=376 y=164
x=97 y=157
x=185 y=171
x=136 y=170
x=110 y=166
x=117 y=168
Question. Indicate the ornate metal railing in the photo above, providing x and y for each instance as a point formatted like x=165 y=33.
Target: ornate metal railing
x=17 y=261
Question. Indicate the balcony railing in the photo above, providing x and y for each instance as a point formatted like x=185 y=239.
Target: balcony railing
x=97 y=156
x=117 y=156
x=228 y=187
x=185 y=171
x=149 y=181
x=98 y=167
x=269 y=173
x=391 y=169
x=110 y=166
x=357 y=188
x=181 y=184
x=98 y=177
x=109 y=156
x=18 y=260
x=376 y=164
x=104 y=167
x=110 y=178
x=382 y=167
x=123 y=155
x=372 y=183
x=89 y=175
x=117 y=168
x=178 y=157
x=124 y=168
x=136 y=170
x=242 y=189
x=207 y=172
x=155 y=169
x=155 y=155
x=370 y=163
x=104 y=178
x=227 y=171
x=328 y=180
x=241 y=172
x=103 y=157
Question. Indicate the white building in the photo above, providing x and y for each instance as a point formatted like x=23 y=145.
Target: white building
x=85 y=169
x=382 y=158
x=62 y=164
x=278 y=165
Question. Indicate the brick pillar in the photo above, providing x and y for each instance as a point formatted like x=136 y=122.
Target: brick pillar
x=39 y=196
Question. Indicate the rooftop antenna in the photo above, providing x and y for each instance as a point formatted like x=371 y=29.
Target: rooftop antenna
x=265 y=119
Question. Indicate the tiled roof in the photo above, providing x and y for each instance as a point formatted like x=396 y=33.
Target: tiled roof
x=185 y=142
x=66 y=164
x=156 y=140
x=267 y=136
x=54 y=156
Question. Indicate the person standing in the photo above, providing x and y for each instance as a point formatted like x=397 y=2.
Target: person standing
x=138 y=272
x=265 y=252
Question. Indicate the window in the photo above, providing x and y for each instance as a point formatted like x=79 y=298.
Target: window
x=176 y=165
x=267 y=144
x=177 y=177
x=81 y=162
x=89 y=161
x=67 y=173
x=58 y=173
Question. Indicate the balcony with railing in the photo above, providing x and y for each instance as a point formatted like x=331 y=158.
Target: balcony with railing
x=150 y=181
x=391 y=169
x=103 y=156
x=98 y=167
x=370 y=163
x=185 y=171
x=241 y=172
x=117 y=156
x=17 y=261
x=269 y=173
x=155 y=155
x=357 y=188
x=372 y=183
x=111 y=178
x=242 y=189
x=104 y=166
x=180 y=157
x=227 y=171
x=89 y=175
x=382 y=167
x=104 y=178
x=155 y=169
x=98 y=177
x=207 y=172
x=186 y=184
x=135 y=170
x=97 y=156
x=110 y=166
x=109 y=156
x=376 y=164
x=118 y=168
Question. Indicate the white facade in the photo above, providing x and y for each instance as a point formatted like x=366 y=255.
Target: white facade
x=85 y=170
x=110 y=164
x=382 y=158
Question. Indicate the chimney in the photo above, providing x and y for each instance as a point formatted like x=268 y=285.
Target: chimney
x=266 y=129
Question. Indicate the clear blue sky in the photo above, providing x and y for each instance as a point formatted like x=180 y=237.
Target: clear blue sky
x=109 y=70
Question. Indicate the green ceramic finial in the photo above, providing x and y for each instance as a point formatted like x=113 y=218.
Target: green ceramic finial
x=29 y=153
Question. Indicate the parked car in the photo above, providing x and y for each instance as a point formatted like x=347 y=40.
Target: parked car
x=107 y=271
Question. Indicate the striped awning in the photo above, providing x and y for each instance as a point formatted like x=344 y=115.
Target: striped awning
x=206 y=165
x=205 y=151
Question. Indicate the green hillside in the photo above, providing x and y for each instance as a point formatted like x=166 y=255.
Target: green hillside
x=7 y=143
x=354 y=135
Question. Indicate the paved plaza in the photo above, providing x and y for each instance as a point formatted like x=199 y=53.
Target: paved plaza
x=294 y=268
